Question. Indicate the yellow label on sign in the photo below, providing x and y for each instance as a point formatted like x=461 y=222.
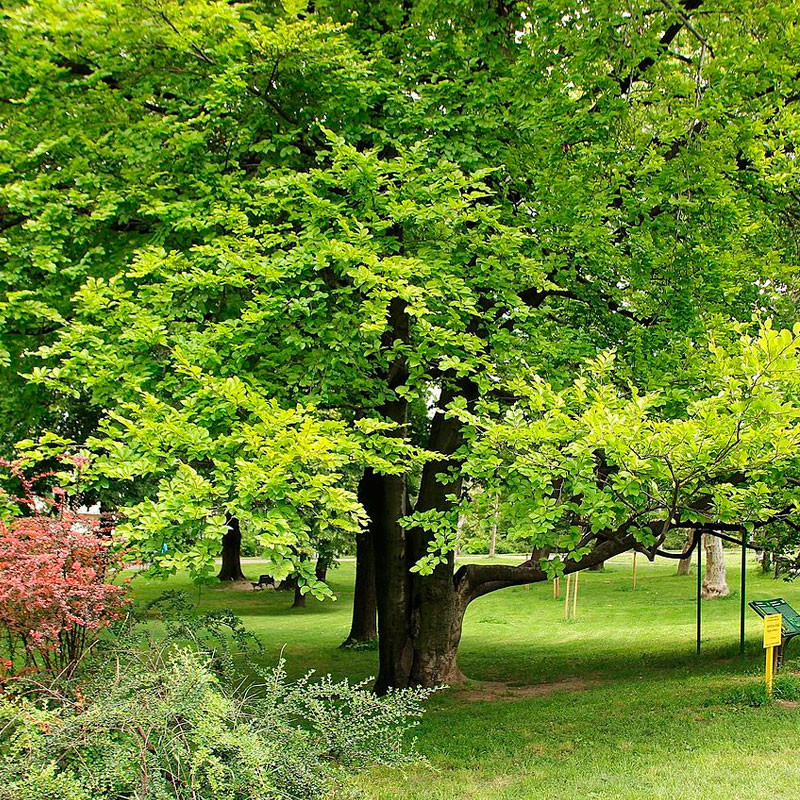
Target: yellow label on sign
x=772 y=630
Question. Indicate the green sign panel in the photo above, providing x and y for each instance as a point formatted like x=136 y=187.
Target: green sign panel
x=790 y=619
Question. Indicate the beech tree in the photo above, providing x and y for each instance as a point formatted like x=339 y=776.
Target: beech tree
x=410 y=224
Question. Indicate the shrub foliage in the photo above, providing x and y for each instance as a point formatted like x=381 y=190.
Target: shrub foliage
x=171 y=719
x=55 y=594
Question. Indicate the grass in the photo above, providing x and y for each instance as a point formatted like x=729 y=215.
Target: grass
x=613 y=705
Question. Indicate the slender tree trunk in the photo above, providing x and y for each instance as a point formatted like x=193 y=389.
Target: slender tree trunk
x=715 y=582
x=685 y=564
x=364 y=624
x=462 y=519
x=766 y=562
x=393 y=585
x=493 y=533
x=299 y=598
x=232 y=553
x=321 y=568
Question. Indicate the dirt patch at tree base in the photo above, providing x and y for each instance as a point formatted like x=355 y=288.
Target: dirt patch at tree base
x=498 y=690
x=236 y=586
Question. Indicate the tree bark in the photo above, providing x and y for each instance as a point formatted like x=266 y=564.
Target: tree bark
x=436 y=622
x=766 y=562
x=419 y=616
x=685 y=564
x=299 y=598
x=393 y=586
x=715 y=582
x=598 y=567
x=232 y=553
x=364 y=624
x=321 y=568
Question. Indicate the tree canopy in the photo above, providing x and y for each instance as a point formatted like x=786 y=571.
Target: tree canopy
x=341 y=239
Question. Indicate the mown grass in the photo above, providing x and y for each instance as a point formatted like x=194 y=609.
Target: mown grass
x=627 y=709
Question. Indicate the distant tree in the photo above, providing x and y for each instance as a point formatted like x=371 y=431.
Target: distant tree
x=715 y=581
x=231 y=569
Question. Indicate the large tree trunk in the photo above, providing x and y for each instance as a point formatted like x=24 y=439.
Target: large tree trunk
x=685 y=564
x=232 y=553
x=419 y=616
x=598 y=567
x=436 y=620
x=364 y=624
x=715 y=582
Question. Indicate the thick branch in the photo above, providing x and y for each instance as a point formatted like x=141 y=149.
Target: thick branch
x=476 y=580
x=663 y=45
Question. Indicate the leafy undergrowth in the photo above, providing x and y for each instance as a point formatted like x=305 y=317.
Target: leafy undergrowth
x=170 y=717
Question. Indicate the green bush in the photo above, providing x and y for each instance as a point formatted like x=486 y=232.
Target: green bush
x=167 y=721
x=787 y=686
x=754 y=693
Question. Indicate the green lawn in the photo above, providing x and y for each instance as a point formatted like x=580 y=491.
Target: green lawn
x=613 y=705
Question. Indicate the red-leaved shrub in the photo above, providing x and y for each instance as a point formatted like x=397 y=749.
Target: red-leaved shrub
x=55 y=597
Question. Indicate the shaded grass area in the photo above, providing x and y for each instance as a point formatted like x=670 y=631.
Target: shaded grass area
x=615 y=704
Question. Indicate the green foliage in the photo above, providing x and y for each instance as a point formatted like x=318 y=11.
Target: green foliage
x=288 y=475
x=787 y=686
x=595 y=458
x=220 y=232
x=753 y=693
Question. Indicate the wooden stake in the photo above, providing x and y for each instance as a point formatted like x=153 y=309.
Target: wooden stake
x=634 y=569
x=575 y=596
x=566 y=597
